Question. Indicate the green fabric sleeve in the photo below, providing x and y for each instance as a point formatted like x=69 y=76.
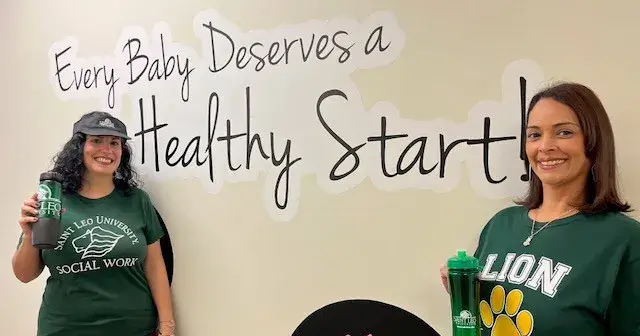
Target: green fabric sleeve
x=152 y=230
x=623 y=314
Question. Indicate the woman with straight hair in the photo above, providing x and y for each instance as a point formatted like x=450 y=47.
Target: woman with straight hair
x=107 y=273
x=565 y=260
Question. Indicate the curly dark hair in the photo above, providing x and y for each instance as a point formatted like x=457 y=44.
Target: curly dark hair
x=70 y=163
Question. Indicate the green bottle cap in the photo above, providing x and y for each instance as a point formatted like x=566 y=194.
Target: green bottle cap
x=463 y=261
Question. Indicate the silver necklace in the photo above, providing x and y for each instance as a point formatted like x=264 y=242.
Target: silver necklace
x=533 y=223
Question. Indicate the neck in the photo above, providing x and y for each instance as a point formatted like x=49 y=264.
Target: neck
x=96 y=186
x=560 y=201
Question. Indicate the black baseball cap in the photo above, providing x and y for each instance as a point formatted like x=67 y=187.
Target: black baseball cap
x=100 y=123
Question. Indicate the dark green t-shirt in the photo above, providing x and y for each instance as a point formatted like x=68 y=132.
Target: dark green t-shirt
x=579 y=276
x=97 y=285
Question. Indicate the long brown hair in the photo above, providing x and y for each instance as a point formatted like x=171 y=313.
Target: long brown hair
x=602 y=185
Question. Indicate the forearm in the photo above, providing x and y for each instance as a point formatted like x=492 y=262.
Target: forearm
x=26 y=261
x=156 y=274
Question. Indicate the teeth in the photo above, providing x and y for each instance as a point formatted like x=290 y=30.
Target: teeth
x=551 y=163
x=104 y=160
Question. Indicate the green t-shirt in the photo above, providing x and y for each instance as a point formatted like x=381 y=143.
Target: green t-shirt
x=579 y=276
x=97 y=285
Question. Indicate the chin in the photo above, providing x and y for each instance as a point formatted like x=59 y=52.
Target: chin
x=556 y=179
x=102 y=173
x=102 y=170
x=552 y=181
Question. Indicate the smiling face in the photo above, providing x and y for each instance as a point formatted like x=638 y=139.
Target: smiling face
x=555 y=144
x=102 y=154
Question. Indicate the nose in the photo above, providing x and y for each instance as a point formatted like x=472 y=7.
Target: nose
x=105 y=147
x=547 y=143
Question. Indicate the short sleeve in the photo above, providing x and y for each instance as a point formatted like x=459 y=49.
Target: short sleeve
x=482 y=238
x=623 y=317
x=21 y=240
x=152 y=229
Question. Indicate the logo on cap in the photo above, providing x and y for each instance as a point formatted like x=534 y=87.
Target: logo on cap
x=107 y=123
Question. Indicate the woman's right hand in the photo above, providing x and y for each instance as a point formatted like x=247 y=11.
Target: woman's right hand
x=28 y=214
x=444 y=277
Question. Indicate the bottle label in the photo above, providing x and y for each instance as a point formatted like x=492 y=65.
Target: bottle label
x=465 y=320
x=49 y=203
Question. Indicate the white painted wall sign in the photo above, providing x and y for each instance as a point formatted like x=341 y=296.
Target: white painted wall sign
x=281 y=102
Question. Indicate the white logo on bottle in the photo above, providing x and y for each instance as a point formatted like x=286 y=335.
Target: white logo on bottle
x=465 y=320
x=44 y=192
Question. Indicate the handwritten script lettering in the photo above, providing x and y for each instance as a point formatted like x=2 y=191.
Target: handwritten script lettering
x=280 y=104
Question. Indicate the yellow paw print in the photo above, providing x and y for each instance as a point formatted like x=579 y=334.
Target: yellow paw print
x=503 y=314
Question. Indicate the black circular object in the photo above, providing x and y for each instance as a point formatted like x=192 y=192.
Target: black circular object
x=360 y=317
x=167 y=249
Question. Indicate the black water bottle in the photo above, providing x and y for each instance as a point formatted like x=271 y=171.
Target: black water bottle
x=46 y=230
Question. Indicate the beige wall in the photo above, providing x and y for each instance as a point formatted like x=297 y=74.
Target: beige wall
x=244 y=267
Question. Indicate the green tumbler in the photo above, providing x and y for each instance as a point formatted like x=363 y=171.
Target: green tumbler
x=464 y=289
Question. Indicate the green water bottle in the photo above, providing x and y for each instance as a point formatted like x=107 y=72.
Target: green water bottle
x=464 y=289
x=46 y=231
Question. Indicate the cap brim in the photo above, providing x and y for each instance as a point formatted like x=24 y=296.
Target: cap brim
x=98 y=132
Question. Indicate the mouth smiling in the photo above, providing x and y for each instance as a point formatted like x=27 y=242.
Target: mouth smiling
x=103 y=160
x=550 y=164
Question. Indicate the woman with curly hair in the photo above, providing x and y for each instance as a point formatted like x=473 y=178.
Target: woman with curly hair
x=107 y=273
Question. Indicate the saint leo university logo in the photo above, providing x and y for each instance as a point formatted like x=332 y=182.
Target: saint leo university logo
x=44 y=192
x=465 y=320
x=107 y=123
x=96 y=242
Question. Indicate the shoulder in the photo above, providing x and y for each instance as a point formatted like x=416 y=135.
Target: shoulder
x=510 y=212
x=143 y=198
x=498 y=224
x=625 y=221
x=622 y=224
x=503 y=218
x=618 y=222
x=136 y=193
x=507 y=215
x=617 y=229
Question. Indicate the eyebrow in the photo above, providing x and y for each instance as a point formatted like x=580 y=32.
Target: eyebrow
x=558 y=124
